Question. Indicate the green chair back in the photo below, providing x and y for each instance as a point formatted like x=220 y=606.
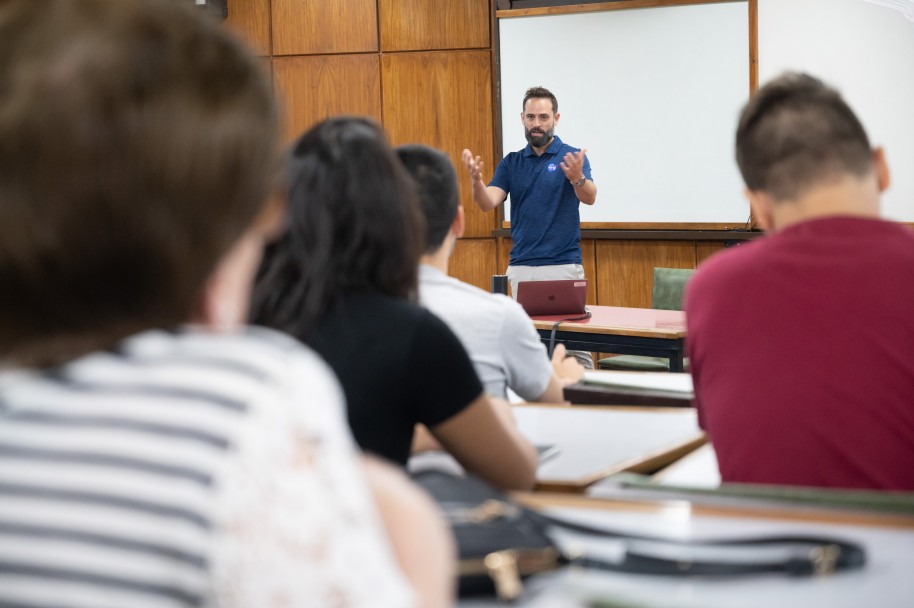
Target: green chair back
x=669 y=285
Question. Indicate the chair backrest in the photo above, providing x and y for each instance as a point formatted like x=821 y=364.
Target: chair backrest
x=669 y=285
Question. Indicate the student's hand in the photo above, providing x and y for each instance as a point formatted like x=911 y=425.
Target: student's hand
x=573 y=166
x=566 y=368
x=473 y=165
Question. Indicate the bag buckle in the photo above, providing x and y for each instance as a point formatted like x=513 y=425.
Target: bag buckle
x=824 y=558
x=490 y=510
x=502 y=568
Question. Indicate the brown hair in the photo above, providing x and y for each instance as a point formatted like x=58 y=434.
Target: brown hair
x=540 y=93
x=795 y=133
x=137 y=144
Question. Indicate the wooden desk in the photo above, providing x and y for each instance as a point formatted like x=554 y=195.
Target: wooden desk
x=626 y=331
x=698 y=469
x=595 y=442
x=884 y=581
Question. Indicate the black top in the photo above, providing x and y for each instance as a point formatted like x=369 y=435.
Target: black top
x=398 y=364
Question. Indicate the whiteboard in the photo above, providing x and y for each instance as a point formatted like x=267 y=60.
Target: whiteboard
x=864 y=50
x=653 y=95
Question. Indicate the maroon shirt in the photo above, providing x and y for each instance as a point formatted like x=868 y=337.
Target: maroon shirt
x=802 y=353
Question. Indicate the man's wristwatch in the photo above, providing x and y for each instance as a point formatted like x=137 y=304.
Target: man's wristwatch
x=581 y=182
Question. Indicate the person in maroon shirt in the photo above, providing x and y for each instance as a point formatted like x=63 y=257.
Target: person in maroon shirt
x=801 y=343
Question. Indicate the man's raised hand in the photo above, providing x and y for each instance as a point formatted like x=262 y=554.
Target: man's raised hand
x=473 y=165
x=573 y=165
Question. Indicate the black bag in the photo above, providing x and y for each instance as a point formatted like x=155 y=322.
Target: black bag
x=501 y=542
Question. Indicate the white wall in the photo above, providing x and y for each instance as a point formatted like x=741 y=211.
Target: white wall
x=867 y=52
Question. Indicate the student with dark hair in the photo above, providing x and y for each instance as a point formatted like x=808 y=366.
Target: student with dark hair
x=497 y=333
x=800 y=342
x=343 y=280
x=153 y=451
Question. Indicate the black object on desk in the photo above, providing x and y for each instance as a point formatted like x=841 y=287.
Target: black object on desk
x=500 y=283
x=586 y=393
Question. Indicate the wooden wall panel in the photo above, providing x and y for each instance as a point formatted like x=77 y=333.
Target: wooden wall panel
x=473 y=261
x=250 y=19
x=443 y=99
x=266 y=64
x=310 y=27
x=704 y=250
x=625 y=269
x=414 y=25
x=589 y=261
x=503 y=251
x=313 y=88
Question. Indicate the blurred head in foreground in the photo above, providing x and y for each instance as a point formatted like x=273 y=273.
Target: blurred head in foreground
x=137 y=150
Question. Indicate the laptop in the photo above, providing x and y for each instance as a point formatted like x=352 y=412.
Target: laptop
x=563 y=297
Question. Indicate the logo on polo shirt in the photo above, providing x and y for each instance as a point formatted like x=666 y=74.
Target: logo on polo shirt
x=552 y=167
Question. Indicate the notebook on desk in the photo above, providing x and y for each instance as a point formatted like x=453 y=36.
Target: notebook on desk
x=652 y=381
x=562 y=297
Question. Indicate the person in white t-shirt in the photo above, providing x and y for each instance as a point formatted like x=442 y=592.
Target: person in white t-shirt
x=499 y=336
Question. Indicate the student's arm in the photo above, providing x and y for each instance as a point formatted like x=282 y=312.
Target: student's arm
x=487 y=197
x=424 y=441
x=485 y=441
x=422 y=544
x=565 y=371
x=528 y=370
x=447 y=397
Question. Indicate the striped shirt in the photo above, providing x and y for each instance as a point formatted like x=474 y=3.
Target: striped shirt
x=186 y=469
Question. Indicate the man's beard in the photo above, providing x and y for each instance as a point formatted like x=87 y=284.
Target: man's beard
x=537 y=140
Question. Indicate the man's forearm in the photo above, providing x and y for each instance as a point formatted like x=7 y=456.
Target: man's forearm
x=587 y=193
x=483 y=197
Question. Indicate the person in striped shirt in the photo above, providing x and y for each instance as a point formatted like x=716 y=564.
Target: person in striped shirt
x=154 y=452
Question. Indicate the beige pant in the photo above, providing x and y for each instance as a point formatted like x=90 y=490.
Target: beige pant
x=516 y=274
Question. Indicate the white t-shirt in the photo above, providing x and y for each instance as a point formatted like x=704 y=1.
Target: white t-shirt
x=187 y=469
x=499 y=336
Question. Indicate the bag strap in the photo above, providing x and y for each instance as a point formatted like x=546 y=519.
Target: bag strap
x=555 y=328
x=654 y=555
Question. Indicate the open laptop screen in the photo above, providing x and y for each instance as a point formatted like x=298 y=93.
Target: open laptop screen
x=562 y=297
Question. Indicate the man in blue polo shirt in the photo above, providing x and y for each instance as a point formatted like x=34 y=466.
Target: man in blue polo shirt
x=547 y=181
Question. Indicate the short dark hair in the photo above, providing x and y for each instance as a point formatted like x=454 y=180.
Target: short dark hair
x=795 y=133
x=540 y=93
x=439 y=196
x=353 y=225
x=138 y=141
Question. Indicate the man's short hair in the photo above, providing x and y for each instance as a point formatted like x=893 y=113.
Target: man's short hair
x=796 y=133
x=540 y=93
x=437 y=186
x=138 y=142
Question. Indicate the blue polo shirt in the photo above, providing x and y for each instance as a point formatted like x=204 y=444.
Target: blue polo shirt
x=545 y=222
